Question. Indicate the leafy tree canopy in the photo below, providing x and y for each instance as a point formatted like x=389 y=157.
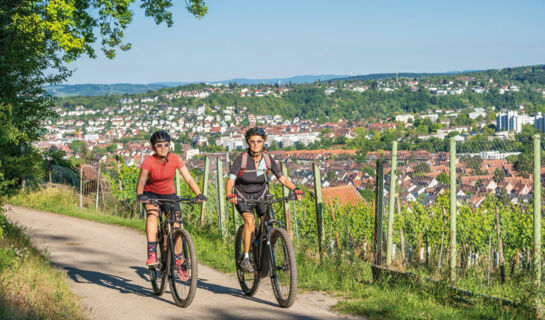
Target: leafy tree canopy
x=37 y=39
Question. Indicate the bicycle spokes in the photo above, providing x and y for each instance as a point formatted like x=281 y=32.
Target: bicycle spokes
x=249 y=281
x=284 y=273
x=183 y=275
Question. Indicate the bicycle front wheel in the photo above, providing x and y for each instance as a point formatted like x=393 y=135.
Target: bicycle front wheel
x=158 y=274
x=284 y=273
x=249 y=281
x=183 y=268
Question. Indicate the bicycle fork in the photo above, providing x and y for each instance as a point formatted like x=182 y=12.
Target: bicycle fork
x=272 y=260
x=172 y=244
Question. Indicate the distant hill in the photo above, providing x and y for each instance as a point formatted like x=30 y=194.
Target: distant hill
x=66 y=90
x=295 y=79
x=533 y=74
x=377 y=76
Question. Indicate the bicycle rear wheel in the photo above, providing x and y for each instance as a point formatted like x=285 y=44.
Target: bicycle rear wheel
x=284 y=280
x=158 y=274
x=249 y=281
x=183 y=277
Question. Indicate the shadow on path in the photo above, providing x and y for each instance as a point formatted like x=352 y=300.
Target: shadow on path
x=214 y=288
x=109 y=281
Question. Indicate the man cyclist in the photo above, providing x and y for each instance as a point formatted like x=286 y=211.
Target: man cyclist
x=156 y=181
x=249 y=177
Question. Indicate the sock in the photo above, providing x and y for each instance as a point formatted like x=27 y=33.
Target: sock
x=152 y=247
x=246 y=255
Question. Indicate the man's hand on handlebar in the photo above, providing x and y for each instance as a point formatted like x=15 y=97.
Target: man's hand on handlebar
x=232 y=198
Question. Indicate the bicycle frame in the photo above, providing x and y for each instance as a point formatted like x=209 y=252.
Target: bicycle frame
x=166 y=227
x=263 y=233
x=178 y=261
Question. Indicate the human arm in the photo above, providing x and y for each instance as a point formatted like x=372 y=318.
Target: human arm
x=284 y=180
x=142 y=179
x=287 y=182
x=229 y=190
x=189 y=179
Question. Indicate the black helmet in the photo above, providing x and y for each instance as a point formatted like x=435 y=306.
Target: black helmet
x=255 y=131
x=159 y=136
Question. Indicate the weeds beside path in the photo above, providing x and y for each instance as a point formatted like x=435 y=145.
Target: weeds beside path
x=29 y=287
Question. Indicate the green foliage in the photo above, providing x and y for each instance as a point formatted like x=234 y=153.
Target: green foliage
x=24 y=270
x=443 y=178
x=124 y=186
x=368 y=195
x=499 y=175
x=422 y=167
x=309 y=101
x=474 y=163
x=37 y=39
x=78 y=147
x=345 y=271
x=368 y=170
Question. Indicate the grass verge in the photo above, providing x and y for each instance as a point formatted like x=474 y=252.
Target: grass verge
x=345 y=276
x=29 y=287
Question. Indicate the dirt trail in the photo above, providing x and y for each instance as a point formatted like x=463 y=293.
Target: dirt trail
x=112 y=281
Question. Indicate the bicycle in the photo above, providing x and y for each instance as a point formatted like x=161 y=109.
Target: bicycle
x=271 y=253
x=172 y=240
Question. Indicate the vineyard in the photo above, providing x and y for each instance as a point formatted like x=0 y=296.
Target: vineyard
x=493 y=204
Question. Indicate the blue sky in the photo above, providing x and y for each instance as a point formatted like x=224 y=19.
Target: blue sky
x=271 y=39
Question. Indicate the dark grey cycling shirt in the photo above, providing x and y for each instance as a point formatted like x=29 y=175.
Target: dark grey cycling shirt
x=253 y=181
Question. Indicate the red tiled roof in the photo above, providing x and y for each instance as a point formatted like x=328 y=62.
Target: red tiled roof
x=320 y=151
x=345 y=194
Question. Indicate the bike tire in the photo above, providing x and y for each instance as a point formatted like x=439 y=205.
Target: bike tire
x=284 y=280
x=158 y=275
x=249 y=281
x=183 y=290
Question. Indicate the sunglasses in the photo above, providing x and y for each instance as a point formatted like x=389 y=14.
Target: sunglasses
x=162 y=145
x=255 y=141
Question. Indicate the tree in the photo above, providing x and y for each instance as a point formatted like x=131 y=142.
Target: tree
x=37 y=39
x=422 y=167
x=524 y=164
x=499 y=175
x=443 y=178
x=78 y=147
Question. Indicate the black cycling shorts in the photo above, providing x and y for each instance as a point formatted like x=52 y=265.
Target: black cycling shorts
x=164 y=206
x=260 y=209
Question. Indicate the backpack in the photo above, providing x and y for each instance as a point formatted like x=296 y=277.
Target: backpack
x=244 y=163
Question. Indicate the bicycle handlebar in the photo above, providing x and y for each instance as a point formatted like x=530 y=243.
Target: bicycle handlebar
x=187 y=200
x=292 y=196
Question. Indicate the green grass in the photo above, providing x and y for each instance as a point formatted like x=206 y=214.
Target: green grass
x=345 y=276
x=29 y=287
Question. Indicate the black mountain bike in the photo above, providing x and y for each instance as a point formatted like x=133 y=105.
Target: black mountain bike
x=271 y=254
x=173 y=240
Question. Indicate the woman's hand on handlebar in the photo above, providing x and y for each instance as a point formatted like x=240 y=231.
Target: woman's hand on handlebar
x=200 y=198
x=142 y=198
x=298 y=194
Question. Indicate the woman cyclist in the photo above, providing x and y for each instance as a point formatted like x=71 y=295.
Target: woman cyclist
x=156 y=182
x=249 y=177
